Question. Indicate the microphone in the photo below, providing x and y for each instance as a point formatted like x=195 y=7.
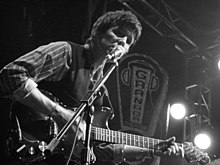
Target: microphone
x=115 y=53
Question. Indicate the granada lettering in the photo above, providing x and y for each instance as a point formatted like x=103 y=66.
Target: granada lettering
x=140 y=80
x=141 y=74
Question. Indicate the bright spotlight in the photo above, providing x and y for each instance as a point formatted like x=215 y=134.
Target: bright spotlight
x=219 y=64
x=202 y=141
x=178 y=111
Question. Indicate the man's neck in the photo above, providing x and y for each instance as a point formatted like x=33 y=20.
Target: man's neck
x=97 y=55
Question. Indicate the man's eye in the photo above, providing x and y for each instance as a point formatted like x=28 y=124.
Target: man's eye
x=129 y=40
x=121 y=34
x=118 y=33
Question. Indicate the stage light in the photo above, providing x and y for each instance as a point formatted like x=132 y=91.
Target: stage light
x=202 y=140
x=178 y=111
x=219 y=64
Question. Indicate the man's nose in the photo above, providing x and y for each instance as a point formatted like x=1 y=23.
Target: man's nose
x=122 y=41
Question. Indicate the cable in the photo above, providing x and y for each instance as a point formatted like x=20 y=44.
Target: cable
x=74 y=141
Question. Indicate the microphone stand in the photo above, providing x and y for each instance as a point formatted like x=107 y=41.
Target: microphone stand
x=87 y=101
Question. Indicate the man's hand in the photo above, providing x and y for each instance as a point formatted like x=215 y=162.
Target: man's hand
x=173 y=149
x=78 y=126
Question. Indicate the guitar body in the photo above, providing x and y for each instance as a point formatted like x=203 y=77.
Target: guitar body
x=101 y=117
x=27 y=139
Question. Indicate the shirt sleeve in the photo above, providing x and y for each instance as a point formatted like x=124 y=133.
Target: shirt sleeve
x=109 y=152
x=49 y=62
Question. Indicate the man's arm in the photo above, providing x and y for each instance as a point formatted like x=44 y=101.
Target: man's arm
x=37 y=101
x=120 y=152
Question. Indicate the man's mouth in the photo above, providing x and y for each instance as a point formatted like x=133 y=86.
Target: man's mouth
x=110 y=49
x=113 y=48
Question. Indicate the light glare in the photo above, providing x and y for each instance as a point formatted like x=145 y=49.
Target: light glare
x=219 y=64
x=202 y=141
x=178 y=111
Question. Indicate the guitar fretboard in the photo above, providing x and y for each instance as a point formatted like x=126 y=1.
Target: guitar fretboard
x=106 y=135
x=111 y=136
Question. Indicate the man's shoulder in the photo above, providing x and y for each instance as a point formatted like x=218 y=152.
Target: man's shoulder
x=73 y=44
x=75 y=47
x=67 y=45
x=61 y=43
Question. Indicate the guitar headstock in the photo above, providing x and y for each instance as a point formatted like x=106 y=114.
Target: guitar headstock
x=195 y=154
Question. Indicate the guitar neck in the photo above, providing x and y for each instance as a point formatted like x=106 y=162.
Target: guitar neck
x=106 y=135
x=111 y=136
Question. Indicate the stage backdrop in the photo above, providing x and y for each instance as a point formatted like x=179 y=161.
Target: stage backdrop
x=137 y=89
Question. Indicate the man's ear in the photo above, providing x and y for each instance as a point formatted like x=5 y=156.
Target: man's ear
x=89 y=40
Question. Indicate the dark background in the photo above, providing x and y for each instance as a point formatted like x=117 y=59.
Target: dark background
x=26 y=24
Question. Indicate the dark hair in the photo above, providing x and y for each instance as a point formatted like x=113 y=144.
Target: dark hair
x=121 y=18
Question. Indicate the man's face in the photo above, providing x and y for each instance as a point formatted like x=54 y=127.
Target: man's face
x=116 y=38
